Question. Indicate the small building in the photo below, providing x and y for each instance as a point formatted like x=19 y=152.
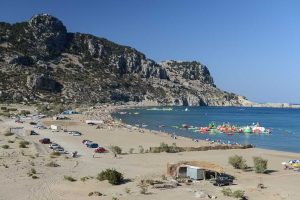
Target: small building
x=196 y=170
x=195 y=173
x=55 y=127
x=20 y=131
x=17 y=131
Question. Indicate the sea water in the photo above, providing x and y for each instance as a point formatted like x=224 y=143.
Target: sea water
x=284 y=124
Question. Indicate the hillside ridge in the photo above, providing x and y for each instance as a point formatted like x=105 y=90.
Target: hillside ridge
x=41 y=61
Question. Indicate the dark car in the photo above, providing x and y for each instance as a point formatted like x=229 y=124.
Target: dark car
x=33 y=133
x=45 y=141
x=92 y=145
x=222 y=180
x=100 y=150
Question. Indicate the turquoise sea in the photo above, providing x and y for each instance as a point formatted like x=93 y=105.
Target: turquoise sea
x=284 y=124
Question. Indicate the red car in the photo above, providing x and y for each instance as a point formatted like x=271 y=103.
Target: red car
x=45 y=141
x=100 y=150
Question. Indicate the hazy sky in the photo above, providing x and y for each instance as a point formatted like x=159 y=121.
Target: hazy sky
x=250 y=47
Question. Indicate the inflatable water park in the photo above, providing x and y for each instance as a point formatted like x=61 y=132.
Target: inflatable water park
x=226 y=128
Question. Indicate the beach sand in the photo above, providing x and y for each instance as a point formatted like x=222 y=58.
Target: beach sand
x=15 y=163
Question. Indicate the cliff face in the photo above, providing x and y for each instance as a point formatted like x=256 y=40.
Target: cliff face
x=41 y=61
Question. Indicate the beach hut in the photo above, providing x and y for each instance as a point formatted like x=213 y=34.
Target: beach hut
x=196 y=170
x=18 y=131
x=195 y=173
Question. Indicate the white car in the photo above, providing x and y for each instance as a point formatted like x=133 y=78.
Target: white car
x=53 y=146
x=60 y=150
x=75 y=133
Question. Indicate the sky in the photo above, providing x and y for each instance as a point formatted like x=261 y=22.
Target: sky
x=250 y=47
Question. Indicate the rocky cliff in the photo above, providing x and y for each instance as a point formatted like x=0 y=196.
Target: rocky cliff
x=41 y=61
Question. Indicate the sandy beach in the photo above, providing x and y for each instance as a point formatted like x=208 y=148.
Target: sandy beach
x=16 y=162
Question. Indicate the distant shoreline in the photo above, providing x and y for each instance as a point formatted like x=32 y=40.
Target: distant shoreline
x=136 y=107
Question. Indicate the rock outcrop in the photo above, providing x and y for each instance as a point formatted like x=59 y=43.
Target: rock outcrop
x=41 y=61
x=43 y=83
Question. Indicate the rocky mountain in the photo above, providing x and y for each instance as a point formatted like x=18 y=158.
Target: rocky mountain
x=41 y=61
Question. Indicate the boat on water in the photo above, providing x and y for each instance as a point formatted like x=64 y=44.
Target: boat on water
x=186 y=109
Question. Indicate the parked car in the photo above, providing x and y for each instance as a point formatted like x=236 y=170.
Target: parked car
x=92 y=145
x=39 y=127
x=32 y=123
x=45 y=141
x=100 y=150
x=32 y=132
x=53 y=146
x=75 y=133
x=86 y=142
x=222 y=180
x=42 y=127
x=60 y=150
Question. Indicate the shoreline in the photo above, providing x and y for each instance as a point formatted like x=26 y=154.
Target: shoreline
x=121 y=108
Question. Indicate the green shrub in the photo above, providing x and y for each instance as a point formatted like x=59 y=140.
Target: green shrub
x=70 y=178
x=238 y=162
x=34 y=177
x=5 y=146
x=8 y=134
x=85 y=178
x=3 y=108
x=115 y=149
x=24 y=112
x=163 y=147
x=33 y=171
x=141 y=149
x=239 y=194
x=55 y=153
x=52 y=164
x=227 y=192
x=131 y=150
x=22 y=146
x=24 y=142
x=114 y=177
x=144 y=189
x=260 y=164
x=12 y=109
